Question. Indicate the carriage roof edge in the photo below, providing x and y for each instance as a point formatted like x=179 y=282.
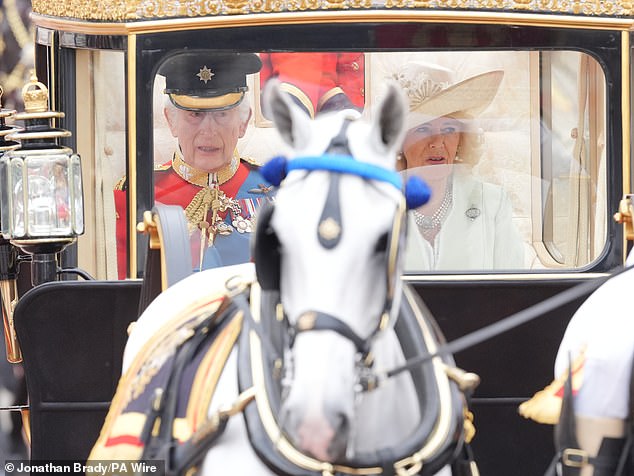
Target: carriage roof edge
x=143 y=11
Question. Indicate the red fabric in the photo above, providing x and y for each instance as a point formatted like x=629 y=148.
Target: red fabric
x=120 y=198
x=315 y=74
x=124 y=440
x=170 y=189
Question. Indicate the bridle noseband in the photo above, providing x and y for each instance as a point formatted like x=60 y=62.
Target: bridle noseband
x=321 y=321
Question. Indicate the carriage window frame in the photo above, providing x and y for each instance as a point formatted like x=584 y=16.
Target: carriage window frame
x=538 y=218
x=463 y=37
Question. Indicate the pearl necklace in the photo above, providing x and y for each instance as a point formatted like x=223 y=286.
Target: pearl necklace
x=428 y=225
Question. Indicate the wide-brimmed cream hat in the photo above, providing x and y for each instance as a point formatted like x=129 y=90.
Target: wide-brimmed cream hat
x=432 y=92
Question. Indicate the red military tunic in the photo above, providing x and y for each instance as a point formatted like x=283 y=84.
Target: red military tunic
x=177 y=183
x=317 y=79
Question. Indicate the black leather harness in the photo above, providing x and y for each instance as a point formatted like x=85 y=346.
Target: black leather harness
x=615 y=456
x=437 y=440
x=438 y=398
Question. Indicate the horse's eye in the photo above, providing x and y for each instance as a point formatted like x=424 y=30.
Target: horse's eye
x=381 y=244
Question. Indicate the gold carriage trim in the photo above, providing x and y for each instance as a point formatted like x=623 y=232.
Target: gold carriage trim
x=129 y=10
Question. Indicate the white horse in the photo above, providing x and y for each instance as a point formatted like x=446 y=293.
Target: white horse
x=328 y=248
x=590 y=400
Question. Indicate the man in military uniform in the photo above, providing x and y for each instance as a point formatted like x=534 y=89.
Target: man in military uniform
x=218 y=190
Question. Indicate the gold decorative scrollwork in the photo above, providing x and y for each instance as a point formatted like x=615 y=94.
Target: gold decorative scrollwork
x=125 y=10
x=16 y=47
x=212 y=6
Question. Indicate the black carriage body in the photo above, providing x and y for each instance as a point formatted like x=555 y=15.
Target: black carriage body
x=512 y=366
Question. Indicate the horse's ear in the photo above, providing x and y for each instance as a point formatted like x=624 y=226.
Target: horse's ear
x=290 y=120
x=390 y=116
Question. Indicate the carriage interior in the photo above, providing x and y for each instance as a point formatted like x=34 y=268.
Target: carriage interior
x=556 y=138
x=542 y=137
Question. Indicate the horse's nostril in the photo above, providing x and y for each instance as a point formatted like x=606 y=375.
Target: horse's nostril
x=339 y=444
x=339 y=422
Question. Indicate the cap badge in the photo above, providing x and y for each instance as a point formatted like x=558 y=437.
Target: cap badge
x=205 y=74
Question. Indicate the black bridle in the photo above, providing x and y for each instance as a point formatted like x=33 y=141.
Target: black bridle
x=338 y=160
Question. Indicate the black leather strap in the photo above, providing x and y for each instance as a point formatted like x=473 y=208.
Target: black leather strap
x=174 y=253
x=151 y=286
x=511 y=322
x=626 y=460
x=331 y=215
x=614 y=457
x=320 y=321
x=162 y=446
x=410 y=335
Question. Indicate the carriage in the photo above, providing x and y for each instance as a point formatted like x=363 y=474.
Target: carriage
x=556 y=138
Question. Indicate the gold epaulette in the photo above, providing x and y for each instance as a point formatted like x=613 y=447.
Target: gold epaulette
x=251 y=161
x=122 y=181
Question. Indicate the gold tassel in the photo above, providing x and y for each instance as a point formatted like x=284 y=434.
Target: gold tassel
x=545 y=406
x=197 y=208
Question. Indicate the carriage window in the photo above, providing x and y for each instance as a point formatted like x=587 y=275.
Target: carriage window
x=101 y=135
x=511 y=144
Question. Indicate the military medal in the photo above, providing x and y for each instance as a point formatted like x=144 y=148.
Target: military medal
x=244 y=213
x=242 y=225
x=215 y=200
x=261 y=189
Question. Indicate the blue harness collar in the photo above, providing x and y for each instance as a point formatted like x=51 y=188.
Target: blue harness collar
x=416 y=191
x=346 y=164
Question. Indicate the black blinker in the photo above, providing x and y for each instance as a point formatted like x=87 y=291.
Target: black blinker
x=381 y=244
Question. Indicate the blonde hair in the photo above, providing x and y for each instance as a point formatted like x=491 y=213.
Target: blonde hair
x=470 y=148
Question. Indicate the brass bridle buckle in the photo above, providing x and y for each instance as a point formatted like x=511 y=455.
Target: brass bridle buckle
x=574 y=458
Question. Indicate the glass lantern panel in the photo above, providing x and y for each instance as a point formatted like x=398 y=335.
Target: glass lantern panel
x=4 y=196
x=77 y=194
x=48 y=196
x=17 y=228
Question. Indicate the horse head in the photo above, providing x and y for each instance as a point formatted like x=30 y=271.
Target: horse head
x=329 y=244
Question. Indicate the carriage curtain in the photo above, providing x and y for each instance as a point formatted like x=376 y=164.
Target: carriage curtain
x=584 y=170
x=109 y=155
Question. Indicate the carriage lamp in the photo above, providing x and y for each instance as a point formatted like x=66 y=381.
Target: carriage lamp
x=42 y=198
x=8 y=254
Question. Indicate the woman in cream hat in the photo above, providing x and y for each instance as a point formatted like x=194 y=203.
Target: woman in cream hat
x=467 y=224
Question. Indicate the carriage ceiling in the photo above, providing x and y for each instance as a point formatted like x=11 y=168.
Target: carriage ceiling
x=137 y=10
